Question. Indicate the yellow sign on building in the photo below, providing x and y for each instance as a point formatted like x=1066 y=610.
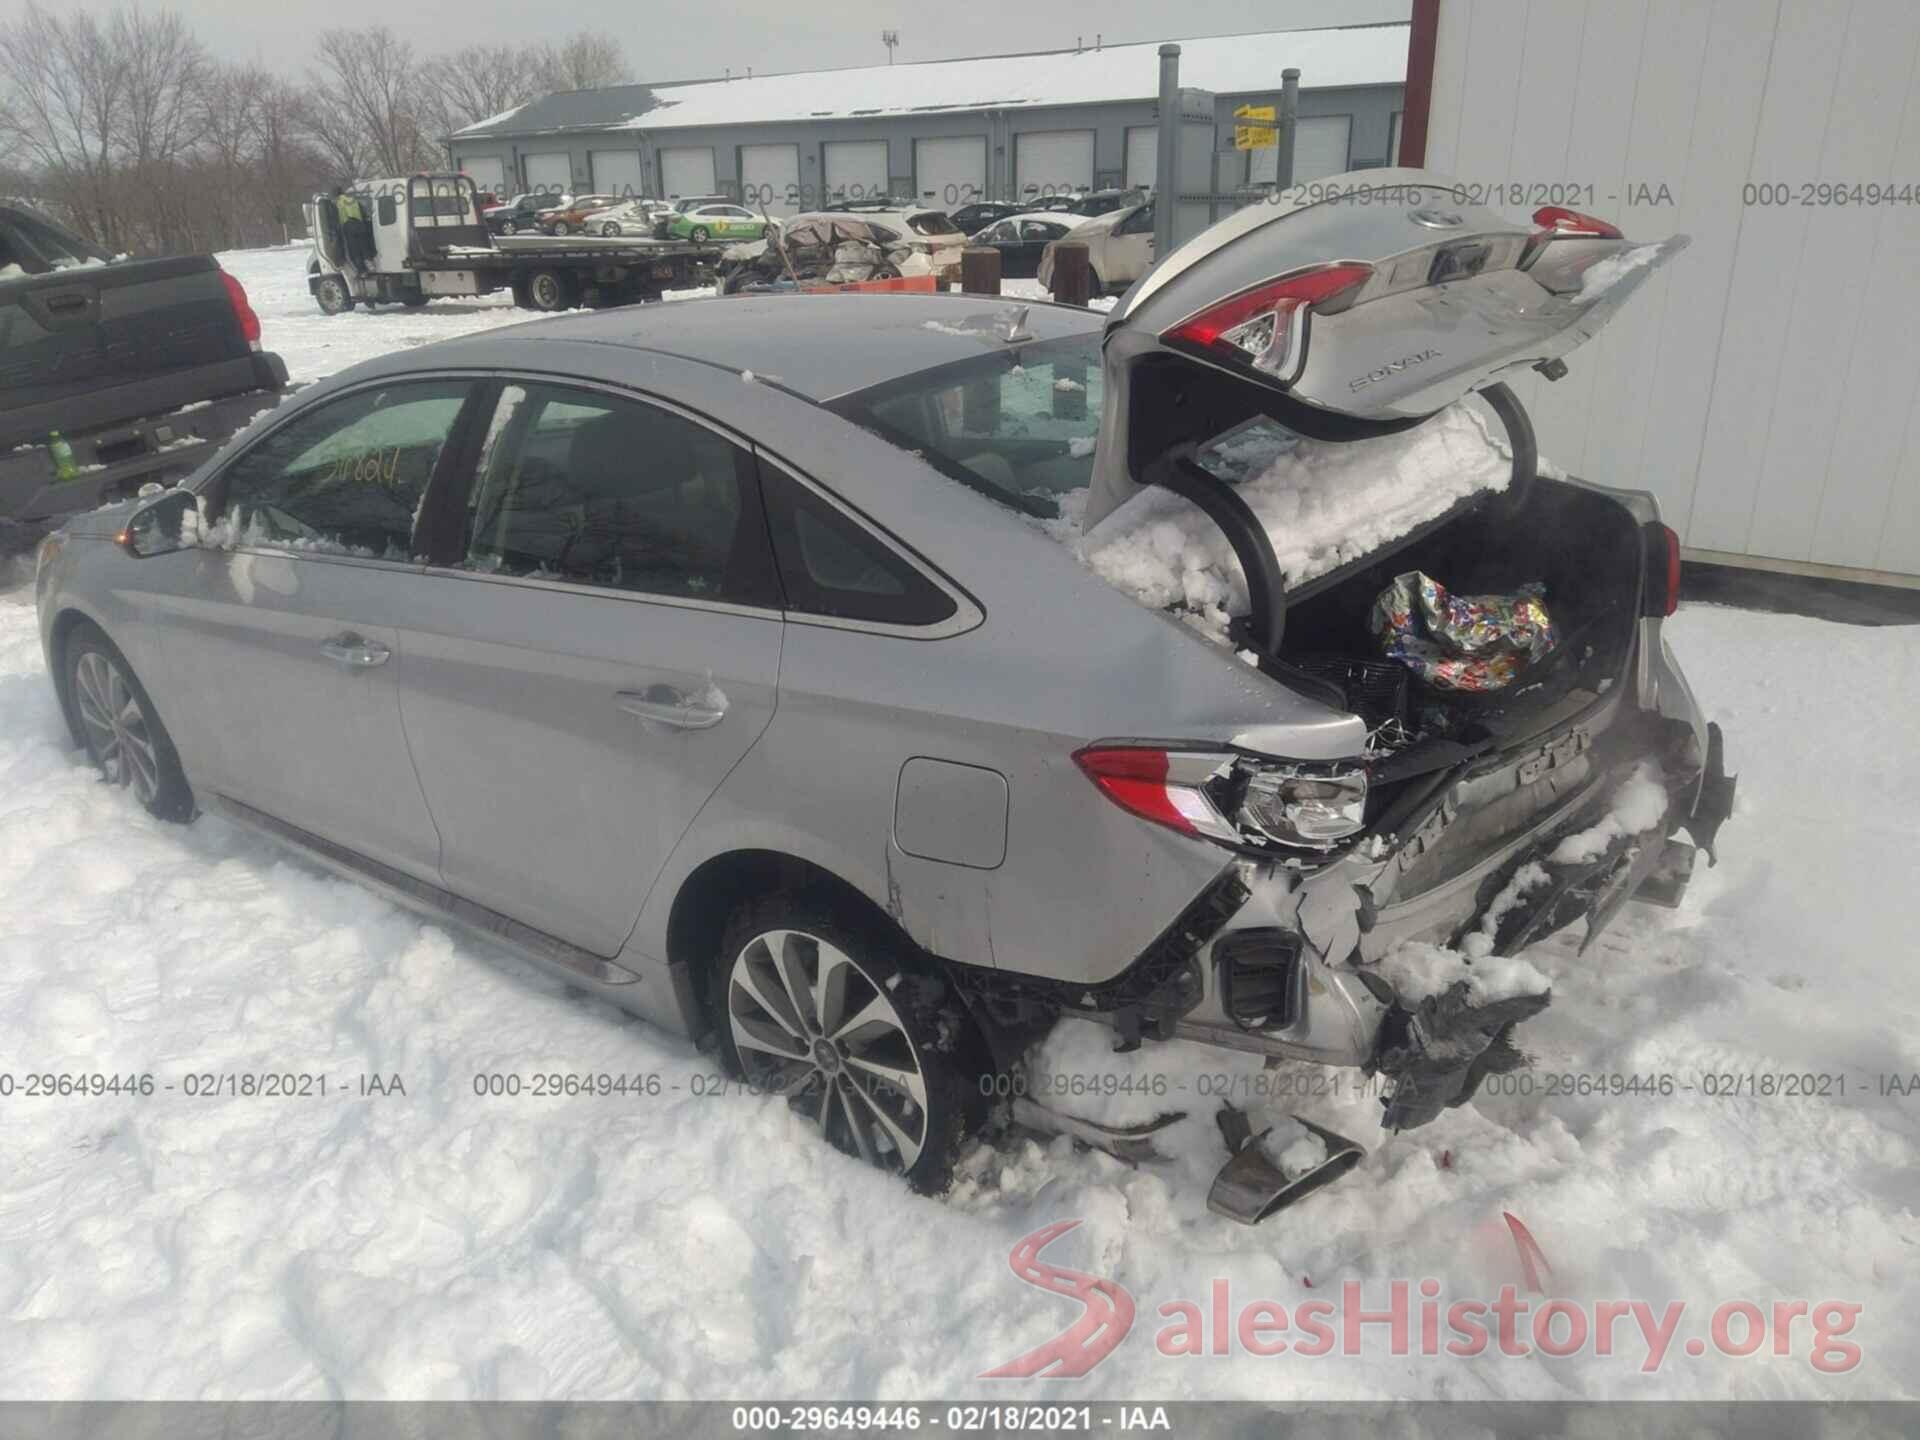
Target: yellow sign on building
x=1255 y=130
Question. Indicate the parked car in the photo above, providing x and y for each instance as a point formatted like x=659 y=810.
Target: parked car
x=1119 y=248
x=930 y=234
x=1021 y=239
x=516 y=215
x=570 y=219
x=630 y=217
x=723 y=221
x=972 y=219
x=766 y=712
x=679 y=204
x=1089 y=203
x=550 y=206
x=828 y=247
x=143 y=367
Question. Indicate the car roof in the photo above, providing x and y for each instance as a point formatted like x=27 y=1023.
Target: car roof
x=781 y=338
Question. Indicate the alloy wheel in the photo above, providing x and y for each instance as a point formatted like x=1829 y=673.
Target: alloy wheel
x=118 y=730
x=811 y=1024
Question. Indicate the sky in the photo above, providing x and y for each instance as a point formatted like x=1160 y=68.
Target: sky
x=665 y=43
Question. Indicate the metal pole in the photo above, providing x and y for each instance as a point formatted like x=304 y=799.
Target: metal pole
x=1166 y=168
x=1287 y=124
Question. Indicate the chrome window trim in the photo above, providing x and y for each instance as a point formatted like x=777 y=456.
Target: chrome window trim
x=968 y=614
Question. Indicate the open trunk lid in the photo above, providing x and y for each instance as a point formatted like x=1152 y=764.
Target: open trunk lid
x=1358 y=306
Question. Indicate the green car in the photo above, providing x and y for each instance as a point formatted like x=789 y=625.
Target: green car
x=716 y=222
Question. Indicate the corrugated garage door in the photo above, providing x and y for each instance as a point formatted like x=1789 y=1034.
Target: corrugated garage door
x=489 y=172
x=686 y=170
x=550 y=174
x=950 y=171
x=1319 y=150
x=856 y=169
x=770 y=176
x=1143 y=154
x=1052 y=162
x=618 y=172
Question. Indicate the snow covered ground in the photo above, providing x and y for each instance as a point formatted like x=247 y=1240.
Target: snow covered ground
x=440 y=1243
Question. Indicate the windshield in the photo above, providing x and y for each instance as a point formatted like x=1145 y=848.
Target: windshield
x=933 y=222
x=1018 y=425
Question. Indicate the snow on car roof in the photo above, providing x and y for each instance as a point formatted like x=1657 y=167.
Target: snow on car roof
x=1226 y=64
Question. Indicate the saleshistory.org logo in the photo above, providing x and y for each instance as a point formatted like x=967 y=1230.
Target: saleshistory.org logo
x=1509 y=1325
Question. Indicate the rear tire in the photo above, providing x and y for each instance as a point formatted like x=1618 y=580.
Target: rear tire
x=413 y=301
x=561 y=227
x=549 y=290
x=610 y=230
x=816 y=1000
x=120 y=728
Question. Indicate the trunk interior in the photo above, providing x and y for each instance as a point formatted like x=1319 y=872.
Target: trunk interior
x=1584 y=546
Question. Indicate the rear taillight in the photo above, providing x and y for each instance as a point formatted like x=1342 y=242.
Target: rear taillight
x=1663 y=571
x=1265 y=327
x=1237 y=799
x=1556 y=222
x=1563 y=221
x=243 y=315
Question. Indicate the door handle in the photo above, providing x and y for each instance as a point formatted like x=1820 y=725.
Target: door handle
x=356 y=652
x=667 y=706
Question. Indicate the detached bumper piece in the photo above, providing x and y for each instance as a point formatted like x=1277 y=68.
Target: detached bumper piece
x=1438 y=1052
x=1250 y=1187
x=1715 y=804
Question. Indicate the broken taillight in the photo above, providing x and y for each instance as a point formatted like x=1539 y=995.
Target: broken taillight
x=1237 y=799
x=1264 y=327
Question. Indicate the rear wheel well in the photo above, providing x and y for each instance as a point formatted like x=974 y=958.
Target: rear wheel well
x=716 y=890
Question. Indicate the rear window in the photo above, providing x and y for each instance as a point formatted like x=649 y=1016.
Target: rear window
x=37 y=245
x=1018 y=426
x=932 y=222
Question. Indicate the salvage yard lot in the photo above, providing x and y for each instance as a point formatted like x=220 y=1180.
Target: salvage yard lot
x=422 y=1239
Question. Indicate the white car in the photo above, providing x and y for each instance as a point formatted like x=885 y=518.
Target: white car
x=936 y=242
x=1119 y=248
x=630 y=217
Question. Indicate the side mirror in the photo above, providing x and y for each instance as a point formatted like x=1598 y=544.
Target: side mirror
x=160 y=526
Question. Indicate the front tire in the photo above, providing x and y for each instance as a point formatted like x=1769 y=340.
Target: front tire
x=836 y=1011
x=561 y=227
x=120 y=727
x=507 y=227
x=610 y=230
x=332 y=295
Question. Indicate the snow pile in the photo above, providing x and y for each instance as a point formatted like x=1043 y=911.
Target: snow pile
x=1530 y=876
x=1603 y=275
x=1419 y=971
x=1322 y=503
x=1294 y=1148
x=1639 y=804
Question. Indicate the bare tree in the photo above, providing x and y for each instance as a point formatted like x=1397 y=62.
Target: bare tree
x=477 y=82
x=368 y=80
x=589 y=60
x=62 y=99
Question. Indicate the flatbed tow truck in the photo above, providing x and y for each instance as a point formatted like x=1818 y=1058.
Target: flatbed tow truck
x=428 y=242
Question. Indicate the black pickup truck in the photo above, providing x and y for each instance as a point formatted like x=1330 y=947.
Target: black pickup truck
x=142 y=366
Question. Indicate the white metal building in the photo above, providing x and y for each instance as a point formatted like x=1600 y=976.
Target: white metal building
x=1766 y=385
x=948 y=131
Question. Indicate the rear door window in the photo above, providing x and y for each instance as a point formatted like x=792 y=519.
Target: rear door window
x=345 y=478
x=595 y=489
